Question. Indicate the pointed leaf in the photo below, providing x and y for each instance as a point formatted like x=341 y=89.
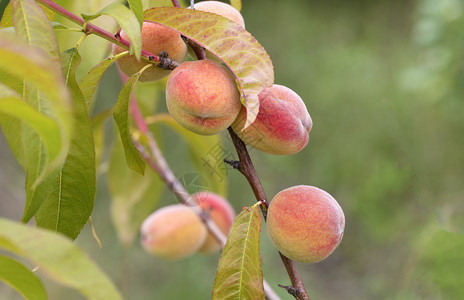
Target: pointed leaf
x=58 y=258
x=21 y=279
x=236 y=47
x=68 y=198
x=137 y=9
x=207 y=152
x=44 y=126
x=24 y=61
x=121 y=116
x=7 y=18
x=133 y=196
x=239 y=274
x=32 y=24
x=128 y=22
x=90 y=81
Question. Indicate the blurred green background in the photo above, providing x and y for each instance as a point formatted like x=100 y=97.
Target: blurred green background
x=384 y=84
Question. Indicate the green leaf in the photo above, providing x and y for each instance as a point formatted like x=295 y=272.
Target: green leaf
x=7 y=18
x=121 y=116
x=236 y=47
x=207 y=152
x=46 y=127
x=239 y=274
x=237 y=4
x=90 y=81
x=137 y=8
x=133 y=196
x=128 y=22
x=68 y=198
x=58 y=258
x=21 y=279
x=32 y=24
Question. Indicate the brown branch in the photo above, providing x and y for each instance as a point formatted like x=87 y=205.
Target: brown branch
x=199 y=50
x=245 y=166
x=158 y=163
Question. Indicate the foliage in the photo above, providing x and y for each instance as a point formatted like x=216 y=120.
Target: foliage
x=382 y=80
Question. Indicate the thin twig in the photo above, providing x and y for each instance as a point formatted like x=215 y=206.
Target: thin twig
x=154 y=157
x=158 y=163
x=175 y=3
x=113 y=38
x=245 y=166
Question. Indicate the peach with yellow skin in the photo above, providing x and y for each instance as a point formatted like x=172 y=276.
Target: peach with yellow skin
x=305 y=223
x=155 y=39
x=282 y=125
x=202 y=96
x=173 y=232
x=220 y=211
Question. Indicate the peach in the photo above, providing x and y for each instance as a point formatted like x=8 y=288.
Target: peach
x=220 y=211
x=202 y=96
x=155 y=39
x=222 y=9
x=173 y=232
x=305 y=223
x=282 y=125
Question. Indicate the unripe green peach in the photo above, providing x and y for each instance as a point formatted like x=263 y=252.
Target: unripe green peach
x=202 y=96
x=282 y=125
x=173 y=232
x=222 y=9
x=155 y=39
x=305 y=223
x=220 y=211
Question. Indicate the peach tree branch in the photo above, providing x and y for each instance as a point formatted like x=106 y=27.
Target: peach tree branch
x=158 y=163
x=113 y=38
x=246 y=167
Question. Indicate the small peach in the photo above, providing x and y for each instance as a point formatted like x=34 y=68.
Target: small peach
x=220 y=211
x=202 y=96
x=282 y=125
x=222 y=9
x=173 y=232
x=305 y=223
x=156 y=38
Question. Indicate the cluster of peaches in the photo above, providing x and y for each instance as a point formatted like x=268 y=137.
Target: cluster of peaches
x=305 y=223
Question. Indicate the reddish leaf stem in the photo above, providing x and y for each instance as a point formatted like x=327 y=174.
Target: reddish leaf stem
x=175 y=3
x=92 y=29
x=245 y=166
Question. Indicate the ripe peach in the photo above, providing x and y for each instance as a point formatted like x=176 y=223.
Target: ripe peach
x=220 y=211
x=222 y=9
x=202 y=96
x=173 y=232
x=155 y=39
x=305 y=223
x=282 y=125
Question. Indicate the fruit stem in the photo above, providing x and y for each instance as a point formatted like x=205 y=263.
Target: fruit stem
x=246 y=167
